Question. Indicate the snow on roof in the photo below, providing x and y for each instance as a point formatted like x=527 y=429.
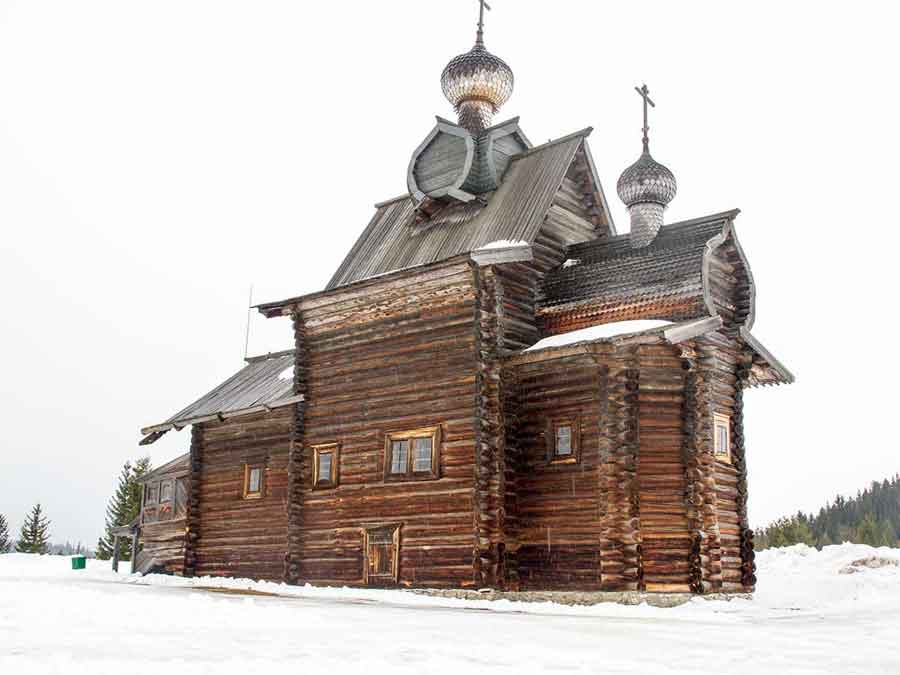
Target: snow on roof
x=287 y=373
x=502 y=243
x=601 y=332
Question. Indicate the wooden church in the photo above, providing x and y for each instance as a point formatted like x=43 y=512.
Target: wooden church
x=495 y=390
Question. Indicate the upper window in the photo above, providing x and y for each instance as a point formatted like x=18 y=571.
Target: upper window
x=325 y=465
x=563 y=440
x=151 y=493
x=253 y=481
x=722 y=436
x=165 y=491
x=412 y=454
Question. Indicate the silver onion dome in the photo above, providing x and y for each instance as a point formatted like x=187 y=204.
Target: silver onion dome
x=477 y=84
x=647 y=181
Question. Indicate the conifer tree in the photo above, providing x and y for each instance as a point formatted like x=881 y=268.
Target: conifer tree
x=34 y=536
x=123 y=508
x=5 y=541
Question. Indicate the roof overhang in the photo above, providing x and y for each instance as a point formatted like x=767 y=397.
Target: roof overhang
x=155 y=432
x=766 y=369
x=673 y=334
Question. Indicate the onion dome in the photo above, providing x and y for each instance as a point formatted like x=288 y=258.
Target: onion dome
x=477 y=84
x=646 y=181
x=646 y=187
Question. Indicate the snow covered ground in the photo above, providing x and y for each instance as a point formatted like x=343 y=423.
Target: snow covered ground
x=808 y=616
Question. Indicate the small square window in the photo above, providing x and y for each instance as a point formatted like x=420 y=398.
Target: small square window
x=325 y=465
x=253 y=481
x=412 y=455
x=563 y=441
x=722 y=437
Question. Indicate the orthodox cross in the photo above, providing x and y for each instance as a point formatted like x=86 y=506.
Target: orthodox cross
x=482 y=5
x=644 y=93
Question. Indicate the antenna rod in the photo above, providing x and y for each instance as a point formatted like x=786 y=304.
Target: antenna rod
x=247 y=332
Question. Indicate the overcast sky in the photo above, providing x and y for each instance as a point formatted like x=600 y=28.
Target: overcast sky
x=156 y=159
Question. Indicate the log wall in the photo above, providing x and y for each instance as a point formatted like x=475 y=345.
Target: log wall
x=558 y=526
x=391 y=356
x=235 y=536
x=665 y=538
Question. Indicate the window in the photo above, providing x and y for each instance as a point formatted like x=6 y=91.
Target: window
x=165 y=491
x=253 y=481
x=325 y=465
x=563 y=441
x=151 y=493
x=412 y=455
x=722 y=436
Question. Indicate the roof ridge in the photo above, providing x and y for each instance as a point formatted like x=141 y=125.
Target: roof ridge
x=270 y=355
x=582 y=133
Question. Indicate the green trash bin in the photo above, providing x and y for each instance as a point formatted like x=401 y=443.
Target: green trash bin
x=79 y=562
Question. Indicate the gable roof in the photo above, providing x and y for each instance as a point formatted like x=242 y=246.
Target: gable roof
x=263 y=384
x=179 y=465
x=609 y=277
x=394 y=239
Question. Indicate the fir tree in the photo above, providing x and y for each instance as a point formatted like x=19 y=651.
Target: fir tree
x=5 y=541
x=123 y=508
x=872 y=517
x=34 y=536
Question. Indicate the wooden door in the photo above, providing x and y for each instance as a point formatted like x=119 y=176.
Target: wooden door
x=382 y=562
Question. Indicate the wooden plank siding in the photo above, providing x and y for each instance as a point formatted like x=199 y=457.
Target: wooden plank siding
x=236 y=536
x=399 y=356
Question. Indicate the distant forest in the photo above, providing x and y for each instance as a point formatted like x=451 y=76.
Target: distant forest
x=872 y=517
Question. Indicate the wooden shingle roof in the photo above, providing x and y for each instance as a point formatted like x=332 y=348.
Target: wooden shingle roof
x=612 y=276
x=266 y=382
x=394 y=239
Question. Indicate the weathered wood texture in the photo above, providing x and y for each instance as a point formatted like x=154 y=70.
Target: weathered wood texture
x=665 y=537
x=557 y=528
x=237 y=536
x=162 y=546
x=393 y=356
x=621 y=532
x=490 y=432
x=192 y=513
x=162 y=530
x=297 y=452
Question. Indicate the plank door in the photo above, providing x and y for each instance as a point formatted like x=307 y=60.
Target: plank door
x=382 y=562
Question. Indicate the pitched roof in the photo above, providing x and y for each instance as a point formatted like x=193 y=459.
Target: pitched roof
x=180 y=464
x=394 y=239
x=266 y=382
x=612 y=277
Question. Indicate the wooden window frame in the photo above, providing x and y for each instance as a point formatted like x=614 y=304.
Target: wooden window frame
x=426 y=432
x=573 y=457
x=722 y=420
x=334 y=449
x=148 y=487
x=248 y=468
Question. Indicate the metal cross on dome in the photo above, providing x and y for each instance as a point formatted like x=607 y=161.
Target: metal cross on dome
x=644 y=93
x=482 y=5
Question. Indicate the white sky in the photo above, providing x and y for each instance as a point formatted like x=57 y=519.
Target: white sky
x=156 y=159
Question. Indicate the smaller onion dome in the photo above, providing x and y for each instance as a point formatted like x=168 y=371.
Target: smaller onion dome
x=646 y=181
x=477 y=84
